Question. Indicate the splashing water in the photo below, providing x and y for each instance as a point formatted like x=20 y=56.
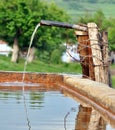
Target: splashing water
x=23 y=76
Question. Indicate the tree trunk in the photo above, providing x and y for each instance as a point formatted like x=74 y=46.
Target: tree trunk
x=15 y=53
x=31 y=55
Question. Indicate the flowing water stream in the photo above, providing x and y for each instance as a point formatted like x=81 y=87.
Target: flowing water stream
x=23 y=77
x=31 y=40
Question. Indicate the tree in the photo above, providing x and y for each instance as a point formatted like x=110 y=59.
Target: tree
x=18 y=19
x=111 y=34
x=15 y=16
x=99 y=19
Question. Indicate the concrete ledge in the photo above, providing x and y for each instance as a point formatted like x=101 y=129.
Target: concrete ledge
x=99 y=92
x=98 y=95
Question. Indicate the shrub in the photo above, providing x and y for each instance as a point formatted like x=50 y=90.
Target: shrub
x=56 y=56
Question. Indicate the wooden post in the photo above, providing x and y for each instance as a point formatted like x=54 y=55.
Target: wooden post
x=93 y=50
x=96 y=53
x=85 y=53
x=105 y=54
x=100 y=72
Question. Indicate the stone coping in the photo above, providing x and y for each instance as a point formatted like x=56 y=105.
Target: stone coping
x=98 y=95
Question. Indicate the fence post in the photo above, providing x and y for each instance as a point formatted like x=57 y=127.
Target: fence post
x=105 y=53
x=85 y=53
x=95 y=44
x=93 y=50
x=100 y=71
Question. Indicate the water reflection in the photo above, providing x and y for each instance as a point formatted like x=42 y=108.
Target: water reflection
x=36 y=99
x=87 y=117
x=47 y=110
x=83 y=118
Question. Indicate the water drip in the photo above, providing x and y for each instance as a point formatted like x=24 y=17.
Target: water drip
x=31 y=40
x=23 y=77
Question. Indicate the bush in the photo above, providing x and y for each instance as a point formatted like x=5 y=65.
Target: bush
x=56 y=56
x=44 y=56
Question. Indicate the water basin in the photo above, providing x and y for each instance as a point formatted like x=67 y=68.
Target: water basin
x=45 y=107
x=46 y=110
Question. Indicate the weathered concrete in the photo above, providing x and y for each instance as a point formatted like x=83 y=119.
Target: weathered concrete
x=99 y=92
x=30 y=77
x=98 y=95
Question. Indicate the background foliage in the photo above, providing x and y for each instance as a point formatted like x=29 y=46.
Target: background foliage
x=18 y=18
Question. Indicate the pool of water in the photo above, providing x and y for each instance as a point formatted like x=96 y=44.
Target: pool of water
x=42 y=109
x=45 y=111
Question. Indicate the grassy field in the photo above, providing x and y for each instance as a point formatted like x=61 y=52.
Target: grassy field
x=76 y=9
x=38 y=66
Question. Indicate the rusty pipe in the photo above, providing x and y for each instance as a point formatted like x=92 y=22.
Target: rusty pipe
x=63 y=25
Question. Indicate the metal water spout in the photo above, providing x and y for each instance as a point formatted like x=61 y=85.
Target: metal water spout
x=63 y=25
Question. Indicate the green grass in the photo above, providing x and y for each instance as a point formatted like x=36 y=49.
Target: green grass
x=38 y=66
x=113 y=81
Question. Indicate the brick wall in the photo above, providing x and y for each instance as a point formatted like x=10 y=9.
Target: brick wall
x=30 y=77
